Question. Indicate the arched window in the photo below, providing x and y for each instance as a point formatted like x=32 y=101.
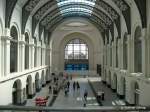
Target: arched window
x=26 y=51
x=35 y=52
x=137 y=50
x=13 y=49
x=76 y=55
x=125 y=51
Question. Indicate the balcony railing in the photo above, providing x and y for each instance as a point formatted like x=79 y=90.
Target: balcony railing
x=74 y=109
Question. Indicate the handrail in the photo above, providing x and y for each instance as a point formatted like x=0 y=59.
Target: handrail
x=76 y=109
x=32 y=71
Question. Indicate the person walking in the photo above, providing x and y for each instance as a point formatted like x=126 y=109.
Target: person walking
x=74 y=85
x=68 y=84
x=50 y=89
x=78 y=86
x=85 y=94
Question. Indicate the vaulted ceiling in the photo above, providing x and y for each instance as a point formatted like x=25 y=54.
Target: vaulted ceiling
x=104 y=14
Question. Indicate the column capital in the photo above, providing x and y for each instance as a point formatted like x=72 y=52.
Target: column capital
x=4 y=38
x=22 y=42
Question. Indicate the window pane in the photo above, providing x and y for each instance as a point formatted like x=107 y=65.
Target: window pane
x=83 y=47
x=70 y=47
x=76 y=47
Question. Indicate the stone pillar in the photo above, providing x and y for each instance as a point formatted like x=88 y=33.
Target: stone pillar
x=38 y=56
x=130 y=54
x=32 y=55
x=145 y=66
x=121 y=54
x=2 y=53
x=114 y=54
x=5 y=55
x=108 y=55
x=22 y=55
x=40 y=48
x=148 y=46
x=1 y=58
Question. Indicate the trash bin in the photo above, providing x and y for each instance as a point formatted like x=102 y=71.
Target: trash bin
x=103 y=96
x=100 y=95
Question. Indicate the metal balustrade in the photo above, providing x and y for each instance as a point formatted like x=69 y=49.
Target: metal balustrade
x=74 y=109
x=81 y=72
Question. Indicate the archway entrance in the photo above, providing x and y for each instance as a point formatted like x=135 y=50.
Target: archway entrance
x=123 y=86
x=43 y=79
x=136 y=94
x=76 y=55
x=37 y=82
x=115 y=81
x=29 y=88
x=17 y=93
x=47 y=76
x=109 y=79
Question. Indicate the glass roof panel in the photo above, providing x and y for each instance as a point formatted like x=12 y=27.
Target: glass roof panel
x=76 y=7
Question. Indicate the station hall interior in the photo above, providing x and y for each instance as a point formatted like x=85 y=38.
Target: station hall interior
x=103 y=45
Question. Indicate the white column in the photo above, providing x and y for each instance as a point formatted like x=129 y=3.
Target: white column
x=33 y=56
x=114 y=54
x=1 y=58
x=145 y=56
x=148 y=46
x=120 y=54
x=5 y=55
x=37 y=56
x=108 y=55
x=22 y=55
x=130 y=54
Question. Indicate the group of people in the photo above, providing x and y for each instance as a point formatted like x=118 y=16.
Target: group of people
x=76 y=85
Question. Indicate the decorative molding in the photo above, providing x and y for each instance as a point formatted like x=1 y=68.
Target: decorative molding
x=122 y=5
x=44 y=8
x=108 y=9
x=31 y=4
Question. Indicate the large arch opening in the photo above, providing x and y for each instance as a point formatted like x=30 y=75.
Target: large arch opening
x=47 y=76
x=138 y=49
x=13 y=49
x=35 y=52
x=17 y=93
x=42 y=79
x=37 y=82
x=109 y=79
x=26 y=51
x=115 y=81
x=29 y=87
x=125 y=51
x=137 y=93
x=123 y=87
x=76 y=55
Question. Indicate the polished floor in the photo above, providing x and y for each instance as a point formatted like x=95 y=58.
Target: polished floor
x=75 y=97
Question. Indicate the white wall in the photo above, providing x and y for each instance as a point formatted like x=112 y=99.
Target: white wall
x=89 y=34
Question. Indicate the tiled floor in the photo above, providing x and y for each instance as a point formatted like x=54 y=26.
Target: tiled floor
x=110 y=96
x=75 y=98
